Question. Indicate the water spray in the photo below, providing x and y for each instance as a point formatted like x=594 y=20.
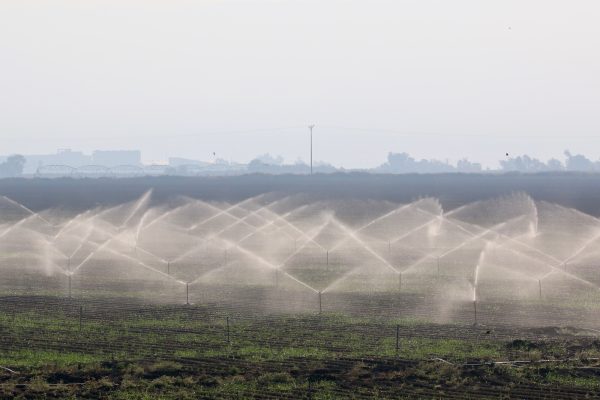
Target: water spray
x=475 y=311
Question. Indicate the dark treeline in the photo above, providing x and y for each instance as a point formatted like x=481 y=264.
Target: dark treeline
x=396 y=163
x=578 y=190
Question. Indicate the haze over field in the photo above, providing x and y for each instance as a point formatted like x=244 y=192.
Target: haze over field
x=436 y=79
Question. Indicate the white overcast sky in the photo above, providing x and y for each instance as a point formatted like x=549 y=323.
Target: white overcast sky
x=438 y=79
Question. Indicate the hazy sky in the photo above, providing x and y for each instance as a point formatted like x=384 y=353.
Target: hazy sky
x=438 y=79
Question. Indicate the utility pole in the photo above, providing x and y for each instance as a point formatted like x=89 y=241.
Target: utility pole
x=311 y=148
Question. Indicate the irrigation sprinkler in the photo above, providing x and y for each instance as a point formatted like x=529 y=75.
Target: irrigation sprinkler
x=475 y=311
x=540 y=286
x=168 y=268
x=438 y=266
x=187 y=293
x=327 y=257
x=397 y=338
x=228 y=333
x=80 y=317
x=320 y=304
x=69 y=274
x=399 y=281
x=276 y=277
x=389 y=246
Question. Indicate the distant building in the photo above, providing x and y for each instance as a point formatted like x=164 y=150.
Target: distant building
x=179 y=161
x=62 y=157
x=112 y=158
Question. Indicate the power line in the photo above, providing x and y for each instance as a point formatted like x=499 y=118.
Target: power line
x=311 y=147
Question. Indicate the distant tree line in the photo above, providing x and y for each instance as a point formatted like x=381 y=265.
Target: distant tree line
x=12 y=167
x=397 y=163
x=573 y=162
x=404 y=163
x=274 y=165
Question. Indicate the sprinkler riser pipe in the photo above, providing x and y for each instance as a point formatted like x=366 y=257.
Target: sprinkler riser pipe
x=228 y=333
x=397 y=338
x=320 y=304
